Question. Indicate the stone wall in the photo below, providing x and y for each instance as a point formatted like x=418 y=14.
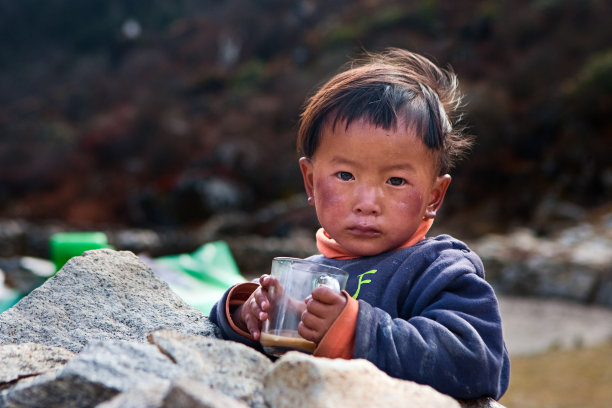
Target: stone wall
x=575 y=263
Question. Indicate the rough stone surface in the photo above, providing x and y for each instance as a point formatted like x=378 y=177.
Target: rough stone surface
x=101 y=295
x=217 y=363
x=99 y=372
x=29 y=359
x=49 y=391
x=187 y=393
x=299 y=380
x=145 y=396
x=183 y=392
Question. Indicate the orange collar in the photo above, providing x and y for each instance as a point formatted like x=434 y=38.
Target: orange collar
x=331 y=249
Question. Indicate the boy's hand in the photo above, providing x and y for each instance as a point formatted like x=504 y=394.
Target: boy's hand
x=322 y=309
x=255 y=310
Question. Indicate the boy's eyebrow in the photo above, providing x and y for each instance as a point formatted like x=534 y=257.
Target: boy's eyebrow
x=400 y=166
x=390 y=167
x=342 y=160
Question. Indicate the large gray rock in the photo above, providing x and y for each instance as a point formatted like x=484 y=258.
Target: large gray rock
x=102 y=295
x=299 y=380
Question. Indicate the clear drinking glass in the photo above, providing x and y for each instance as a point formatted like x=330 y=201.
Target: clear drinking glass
x=295 y=280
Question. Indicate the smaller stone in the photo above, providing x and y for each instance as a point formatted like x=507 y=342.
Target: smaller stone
x=187 y=393
x=29 y=359
x=101 y=371
x=301 y=380
x=217 y=363
x=481 y=403
x=143 y=396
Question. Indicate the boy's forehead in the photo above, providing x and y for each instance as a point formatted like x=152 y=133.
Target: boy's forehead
x=407 y=133
x=362 y=130
x=338 y=124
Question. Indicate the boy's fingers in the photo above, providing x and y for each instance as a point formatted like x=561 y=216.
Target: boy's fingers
x=264 y=280
x=261 y=302
x=312 y=321
x=326 y=295
x=253 y=326
x=258 y=307
x=267 y=281
x=308 y=333
x=317 y=308
x=275 y=283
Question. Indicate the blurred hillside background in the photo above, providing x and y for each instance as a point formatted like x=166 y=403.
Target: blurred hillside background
x=161 y=114
x=181 y=116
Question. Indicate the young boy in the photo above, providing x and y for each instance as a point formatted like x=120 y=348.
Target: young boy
x=378 y=142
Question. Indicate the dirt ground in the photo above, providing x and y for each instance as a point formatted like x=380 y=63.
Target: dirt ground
x=561 y=354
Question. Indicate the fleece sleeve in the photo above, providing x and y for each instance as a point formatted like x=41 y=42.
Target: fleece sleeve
x=448 y=334
x=220 y=314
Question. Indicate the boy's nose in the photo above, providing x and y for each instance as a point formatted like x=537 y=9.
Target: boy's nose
x=367 y=201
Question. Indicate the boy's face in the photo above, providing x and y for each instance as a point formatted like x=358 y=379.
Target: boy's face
x=372 y=187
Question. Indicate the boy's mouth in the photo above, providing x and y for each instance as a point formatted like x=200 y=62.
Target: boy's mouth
x=364 y=231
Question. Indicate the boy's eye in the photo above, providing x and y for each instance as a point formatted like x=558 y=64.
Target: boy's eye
x=345 y=176
x=396 y=181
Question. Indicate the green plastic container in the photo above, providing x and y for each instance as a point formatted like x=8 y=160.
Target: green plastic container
x=212 y=263
x=203 y=275
x=65 y=245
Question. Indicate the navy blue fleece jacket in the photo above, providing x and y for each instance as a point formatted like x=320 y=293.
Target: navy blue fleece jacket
x=426 y=314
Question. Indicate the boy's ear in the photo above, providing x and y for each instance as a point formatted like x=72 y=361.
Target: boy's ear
x=436 y=197
x=308 y=176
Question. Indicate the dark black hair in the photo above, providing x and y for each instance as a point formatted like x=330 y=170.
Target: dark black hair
x=388 y=88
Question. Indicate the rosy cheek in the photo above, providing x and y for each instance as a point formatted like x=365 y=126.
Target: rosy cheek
x=327 y=194
x=410 y=204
